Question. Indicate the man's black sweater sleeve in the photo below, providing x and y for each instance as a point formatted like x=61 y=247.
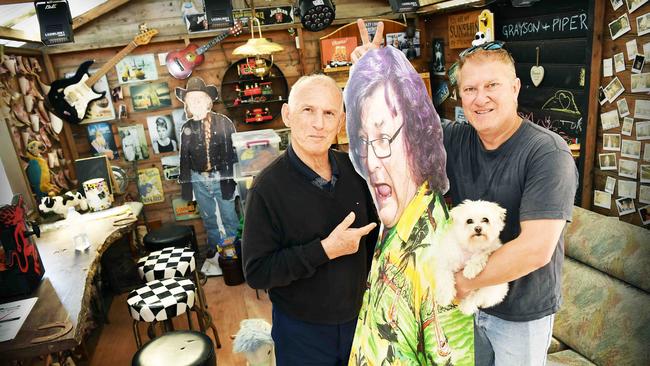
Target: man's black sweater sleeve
x=268 y=263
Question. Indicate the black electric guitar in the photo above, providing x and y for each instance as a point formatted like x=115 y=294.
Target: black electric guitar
x=69 y=98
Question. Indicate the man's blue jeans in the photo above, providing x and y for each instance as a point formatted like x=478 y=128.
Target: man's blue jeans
x=207 y=191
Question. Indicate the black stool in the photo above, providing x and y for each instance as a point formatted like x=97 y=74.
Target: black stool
x=178 y=348
x=179 y=236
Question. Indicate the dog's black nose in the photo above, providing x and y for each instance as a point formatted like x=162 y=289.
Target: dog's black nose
x=478 y=229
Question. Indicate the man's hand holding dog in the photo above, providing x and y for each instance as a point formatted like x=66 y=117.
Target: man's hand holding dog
x=344 y=240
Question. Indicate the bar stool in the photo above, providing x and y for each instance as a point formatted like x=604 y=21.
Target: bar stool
x=178 y=262
x=160 y=301
x=178 y=348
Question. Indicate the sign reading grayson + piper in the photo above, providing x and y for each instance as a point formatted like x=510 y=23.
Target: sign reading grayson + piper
x=565 y=25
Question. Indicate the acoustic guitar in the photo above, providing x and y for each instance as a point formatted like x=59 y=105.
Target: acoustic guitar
x=69 y=98
x=180 y=64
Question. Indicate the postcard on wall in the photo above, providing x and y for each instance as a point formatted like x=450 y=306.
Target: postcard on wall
x=102 y=141
x=610 y=120
x=637 y=65
x=101 y=109
x=640 y=82
x=631 y=149
x=602 y=199
x=642 y=108
x=608 y=67
x=402 y=43
x=616 y=4
x=148 y=97
x=438 y=56
x=134 y=142
x=607 y=161
x=644 y=213
x=646 y=152
x=622 y=107
x=643 y=24
x=336 y=51
x=627 y=168
x=619 y=27
x=632 y=49
x=171 y=167
x=150 y=186
x=610 y=184
x=642 y=130
x=644 y=193
x=619 y=62
x=644 y=173
x=646 y=50
x=185 y=210
x=611 y=142
x=626 y=188
x=628 y=124
x=613 y=89
x=633 y=5
x=162 y=133
x=137 y=68
x=602 y=99
x=625 y=206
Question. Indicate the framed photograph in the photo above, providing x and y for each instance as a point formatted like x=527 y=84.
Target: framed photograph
x=336 y=52
x=452 y=74
x=399 y=41
x=102 y=141
x=149 y=97
x=134 y=142
x=185 y=210
x=642 y=108
x=644 y=173
x=616 y=3
x=627 y=168
x=607 y=161
x=602 y=199
x=619 y=62
x=631 y=149
x=137 y=68
x=101 y=109
x=122 y=112
x=171 y=167
x=285 y=138
x=625 y=206
x=620 y=26
x=608 y=67
x=438 y=56
x=646 y=152
x=610 y=184
x=644 y=194
x=613 y=89
x=611 y=142
x=622 y=107
x=628 y=124
x=632 y=5
x=637 y=65
x=601 y=96
x=627 y=188
x=150 y=186
x=644 y=213
x=640 y=82
x=642 y=130
x=162 y=134
x=441 y=93
x=643 y=24
x=609 y=120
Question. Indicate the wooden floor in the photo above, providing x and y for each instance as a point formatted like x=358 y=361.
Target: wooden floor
x=228 y=305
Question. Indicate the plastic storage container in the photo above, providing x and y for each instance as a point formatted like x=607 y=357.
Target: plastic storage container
x=243 y=183
x=255 y=150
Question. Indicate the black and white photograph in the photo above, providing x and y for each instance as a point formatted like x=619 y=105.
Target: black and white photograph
x=439 y=56
x=610 y=184
x=644 y=193
x=610 y=120
x=646 y=152
x=162 y=133
x=117 y=94
x=602 y=199
x=632 y=48
x=642 y=130
x=619 y=62
x=620 y=26
x=134 y=142
x=622 y=107
x=627 y=188
x=625 y=206
x=631 y=149
x=602 y=99
x=628 y=125
x=627 y=168
x=644 y=173
x=643 y=24
x=632 y=5
x=640 y=82
x=637 y=65
x=607 y=161
x=409 y=46
x=613 y=89
x=644 y=213
x=122 y=112
x=642 y=109
x=611 y=142
x=616 y=4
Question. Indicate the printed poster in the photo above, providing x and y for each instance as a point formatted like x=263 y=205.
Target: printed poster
x=150 y=186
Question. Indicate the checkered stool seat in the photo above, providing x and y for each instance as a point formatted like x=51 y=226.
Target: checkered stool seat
x=167 y=263
x=160 y=300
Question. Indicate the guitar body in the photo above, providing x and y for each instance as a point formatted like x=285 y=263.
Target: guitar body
x=69 y=98
x=180 y=64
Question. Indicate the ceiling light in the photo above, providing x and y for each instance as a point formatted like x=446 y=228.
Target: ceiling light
x=316 y=15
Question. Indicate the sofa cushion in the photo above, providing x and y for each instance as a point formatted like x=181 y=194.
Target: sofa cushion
x=556 y=346
x=602 y=318
x=568 y=357
x=612 y=246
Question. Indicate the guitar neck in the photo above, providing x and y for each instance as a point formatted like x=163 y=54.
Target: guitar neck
x=109 y=65
x=212 y=42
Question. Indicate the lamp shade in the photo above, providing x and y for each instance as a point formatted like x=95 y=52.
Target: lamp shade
x=257 y=47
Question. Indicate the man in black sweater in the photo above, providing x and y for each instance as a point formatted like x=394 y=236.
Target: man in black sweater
x=309 y=235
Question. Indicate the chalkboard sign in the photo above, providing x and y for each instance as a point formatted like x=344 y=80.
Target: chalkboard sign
x=567 y=25
x=91 y=168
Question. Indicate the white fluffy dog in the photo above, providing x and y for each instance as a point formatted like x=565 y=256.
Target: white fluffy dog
x=473 y=236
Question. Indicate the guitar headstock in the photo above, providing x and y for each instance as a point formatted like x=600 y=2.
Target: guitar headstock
x=236 y=29
x=145 y=35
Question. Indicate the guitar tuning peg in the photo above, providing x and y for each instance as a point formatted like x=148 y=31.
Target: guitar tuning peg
x=143 y=27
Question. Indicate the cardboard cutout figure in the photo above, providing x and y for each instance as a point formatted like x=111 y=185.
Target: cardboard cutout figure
x=206 y=163
x=396 y=144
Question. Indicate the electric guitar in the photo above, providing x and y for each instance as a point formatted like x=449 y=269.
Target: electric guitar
x=69 y=98
x=181 y=63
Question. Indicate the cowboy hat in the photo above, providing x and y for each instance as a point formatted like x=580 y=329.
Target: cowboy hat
x=197 y=84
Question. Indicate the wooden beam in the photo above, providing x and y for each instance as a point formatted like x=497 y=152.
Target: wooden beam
x=17 y=35
x=96 y=12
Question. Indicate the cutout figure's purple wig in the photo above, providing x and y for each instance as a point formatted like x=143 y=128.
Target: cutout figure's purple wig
x=389 y=67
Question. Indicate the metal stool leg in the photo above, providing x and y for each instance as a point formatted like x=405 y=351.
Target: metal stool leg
x=202 y=311
x=136 y=333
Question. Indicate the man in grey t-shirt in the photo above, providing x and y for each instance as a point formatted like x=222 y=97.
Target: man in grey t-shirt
x=530 y=172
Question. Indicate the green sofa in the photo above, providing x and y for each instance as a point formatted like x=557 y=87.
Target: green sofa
x=605 y=314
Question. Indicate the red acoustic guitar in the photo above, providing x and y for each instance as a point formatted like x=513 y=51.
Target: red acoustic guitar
x=180 y=64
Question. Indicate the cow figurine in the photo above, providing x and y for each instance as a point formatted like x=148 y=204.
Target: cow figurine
x=60 y=204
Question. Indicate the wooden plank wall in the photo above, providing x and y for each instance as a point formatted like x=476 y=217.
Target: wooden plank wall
x=106 y=36
x=610 y=48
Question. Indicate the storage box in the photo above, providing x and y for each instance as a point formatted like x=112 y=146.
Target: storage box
x=255 y=150
x=243 y=183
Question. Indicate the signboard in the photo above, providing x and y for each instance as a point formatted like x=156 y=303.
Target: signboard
x=542 y=27
x=462 y=28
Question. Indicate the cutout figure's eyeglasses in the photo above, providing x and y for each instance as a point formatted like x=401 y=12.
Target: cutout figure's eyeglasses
x=488 y=46
x=380 y=146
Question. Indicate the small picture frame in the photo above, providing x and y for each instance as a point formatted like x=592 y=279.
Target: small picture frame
x=627 y=168
x=644 y=173
x=610 y=184
x=614 y=89
x=643 y=24
x=619 y=62
x=644 y=213
x=631 y=149
x=601 y=96
x=627 y=188
x=611 y=142
x=607 y=161
x=623 y=109
x=619 y=26
x=628 y=125
x=642 y=130
x=625 y=206
x=602 y=199
x=637 y=65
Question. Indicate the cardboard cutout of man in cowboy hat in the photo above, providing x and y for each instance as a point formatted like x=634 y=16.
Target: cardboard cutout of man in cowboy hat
x=206 y=162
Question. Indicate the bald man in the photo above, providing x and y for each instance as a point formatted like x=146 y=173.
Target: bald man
x=309 y=235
